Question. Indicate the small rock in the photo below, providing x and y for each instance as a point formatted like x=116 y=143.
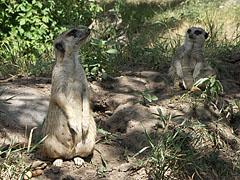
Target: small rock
x=124 y=167
x=37 y=172
x=39 y=165
x=108 y=113
x=28 y=175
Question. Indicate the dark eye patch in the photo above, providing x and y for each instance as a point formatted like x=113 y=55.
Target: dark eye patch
x=197 y=32
x=73 y=33
x=59 y=47
x=189 y=31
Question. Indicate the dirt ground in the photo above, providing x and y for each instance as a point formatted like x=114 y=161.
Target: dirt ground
x=120 y=110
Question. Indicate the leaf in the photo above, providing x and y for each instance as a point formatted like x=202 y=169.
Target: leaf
x=200 y=81
x=212 y=81
x=39 y=4
x=148 y=138
x=21 y=31
x=220 y=86
x=104 y=132
x=102 y=158
x=141 y=150
x=45 y=19
x=95 y=40
x=159 y=111
x=22 y=22
x=112 y=51
x=147 y=91
x=22 y=8
x=154 y=98
x=35 y=145
x=148 y=97
x=94 y=70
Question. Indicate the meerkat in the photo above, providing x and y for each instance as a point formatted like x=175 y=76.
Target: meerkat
x=188 y=64
x=69 y=126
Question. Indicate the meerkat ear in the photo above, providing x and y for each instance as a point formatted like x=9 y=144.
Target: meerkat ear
x=59 y=47
x=206 y=35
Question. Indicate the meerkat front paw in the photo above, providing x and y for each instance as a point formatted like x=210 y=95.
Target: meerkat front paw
x=74 y=126
x=85 y=126
x=78 y=161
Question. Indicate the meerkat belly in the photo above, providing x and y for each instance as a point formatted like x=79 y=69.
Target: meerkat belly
x=59 y=139
x=61 y=129
x=188 y=66
x=74 y=97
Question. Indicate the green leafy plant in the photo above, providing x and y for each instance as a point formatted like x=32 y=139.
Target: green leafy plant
x=107 y=135
x=29 y=28
x=76 y=12
x=102 y=170
x=212 y=88
x=98 y=58
x=24 y=39
x=165 y=119
x=147 y=95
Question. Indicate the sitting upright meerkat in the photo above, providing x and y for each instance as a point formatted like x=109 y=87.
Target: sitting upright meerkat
x=188 y=63
x=69 y=126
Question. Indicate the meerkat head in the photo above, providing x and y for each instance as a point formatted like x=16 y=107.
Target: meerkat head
x=70 y=41
x=196 y=35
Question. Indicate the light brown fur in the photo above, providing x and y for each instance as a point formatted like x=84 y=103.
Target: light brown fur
x=188 y=63
x=69 y=125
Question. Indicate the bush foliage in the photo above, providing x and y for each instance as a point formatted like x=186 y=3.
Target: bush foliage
x=28 y=29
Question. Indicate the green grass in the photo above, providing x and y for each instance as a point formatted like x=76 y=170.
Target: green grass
x=179 y=152
x=14 y=157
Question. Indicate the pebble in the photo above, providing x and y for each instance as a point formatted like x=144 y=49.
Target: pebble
x=28 y=175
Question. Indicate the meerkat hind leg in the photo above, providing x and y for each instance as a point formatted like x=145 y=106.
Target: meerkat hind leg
x=78 y=161
x=58 y=162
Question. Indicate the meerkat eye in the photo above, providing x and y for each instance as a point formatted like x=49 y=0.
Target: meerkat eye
x=73 y=33
x=197 y=32
x=189 y=31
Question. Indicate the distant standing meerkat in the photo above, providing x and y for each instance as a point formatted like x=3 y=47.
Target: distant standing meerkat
x=69 y=125
x=188 y=63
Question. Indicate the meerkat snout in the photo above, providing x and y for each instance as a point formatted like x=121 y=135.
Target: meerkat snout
x=88 y=31
x=70 y=41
